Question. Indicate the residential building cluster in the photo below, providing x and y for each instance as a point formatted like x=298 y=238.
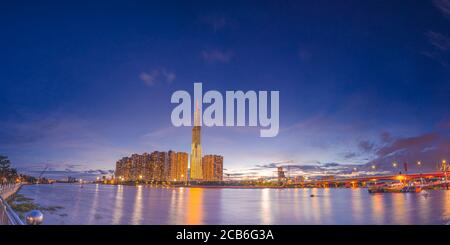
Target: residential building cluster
x=172 y=166
x=166 y=166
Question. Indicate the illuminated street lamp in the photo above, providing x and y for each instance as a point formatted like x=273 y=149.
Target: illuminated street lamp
x=373 y=167
x=394 y=164
x=419 y=163
x=444 y=166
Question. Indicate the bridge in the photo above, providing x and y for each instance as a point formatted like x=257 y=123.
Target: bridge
x=362 y=181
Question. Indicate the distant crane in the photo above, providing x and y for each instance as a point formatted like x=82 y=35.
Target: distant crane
x=42 y=172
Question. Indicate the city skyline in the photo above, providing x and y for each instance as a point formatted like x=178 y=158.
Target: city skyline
x=83 y=86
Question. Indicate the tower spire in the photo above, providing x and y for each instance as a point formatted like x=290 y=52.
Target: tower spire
x=196 y=115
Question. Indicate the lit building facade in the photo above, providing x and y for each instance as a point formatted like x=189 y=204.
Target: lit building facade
x=182 y=166
x=178 y=165
x=212 y=167
x=156 y=166
x=196 y=149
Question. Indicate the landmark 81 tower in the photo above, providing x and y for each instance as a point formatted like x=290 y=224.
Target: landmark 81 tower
x=196 y=153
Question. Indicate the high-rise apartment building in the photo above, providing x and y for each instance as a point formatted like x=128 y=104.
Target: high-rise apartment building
x=178 y=165
x=157 y=166
x=212 y=166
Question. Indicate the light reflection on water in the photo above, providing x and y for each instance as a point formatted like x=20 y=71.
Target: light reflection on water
x=118 y=205
x=107 y=204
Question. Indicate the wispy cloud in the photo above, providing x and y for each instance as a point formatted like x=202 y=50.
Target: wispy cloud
x=217 y=56
x=386 y=137
x=57 y=140
x=90 y=174
x=443 y=6
x=315 y=169
x=157 y=75
x=218 y=22
x=438 y=40
x=366 y=146
x=429 y=148
x=441 y=48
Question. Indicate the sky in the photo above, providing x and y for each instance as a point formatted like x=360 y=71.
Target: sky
x=84 y=83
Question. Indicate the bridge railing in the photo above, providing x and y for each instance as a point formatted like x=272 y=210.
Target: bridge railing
x=7 y=214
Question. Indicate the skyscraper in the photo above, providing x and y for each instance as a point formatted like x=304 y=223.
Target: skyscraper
x=196 y=153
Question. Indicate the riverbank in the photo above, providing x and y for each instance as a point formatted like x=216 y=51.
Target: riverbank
x=7 y=191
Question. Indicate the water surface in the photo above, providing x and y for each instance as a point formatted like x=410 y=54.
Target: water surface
x=108 y=204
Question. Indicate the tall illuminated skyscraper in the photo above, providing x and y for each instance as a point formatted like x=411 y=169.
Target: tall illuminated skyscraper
x=196 y=153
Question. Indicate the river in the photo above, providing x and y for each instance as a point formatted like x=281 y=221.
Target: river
x=111 y=204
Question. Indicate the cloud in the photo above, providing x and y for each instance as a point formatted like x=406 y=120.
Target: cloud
x=90 y=174
x=386 y=137
x=312 y=169
x=429 y=148
x=441 y=48
x=217 y=56
x=366 y=146
x=444 y=124
x=408 y=143
x=443 y=6
x=57 y=140
x=157 y=75
x=350 y=155
x=438 y=40
x=216 y=22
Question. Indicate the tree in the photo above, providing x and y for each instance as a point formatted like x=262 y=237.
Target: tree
x=7 y=174
x=5 y=166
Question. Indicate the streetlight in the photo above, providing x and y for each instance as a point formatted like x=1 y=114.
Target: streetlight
x=373 y=166
x=444 y=166
x=394 y=164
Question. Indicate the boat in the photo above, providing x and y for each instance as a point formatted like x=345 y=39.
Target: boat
x=412 y=189
x=394 y=188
